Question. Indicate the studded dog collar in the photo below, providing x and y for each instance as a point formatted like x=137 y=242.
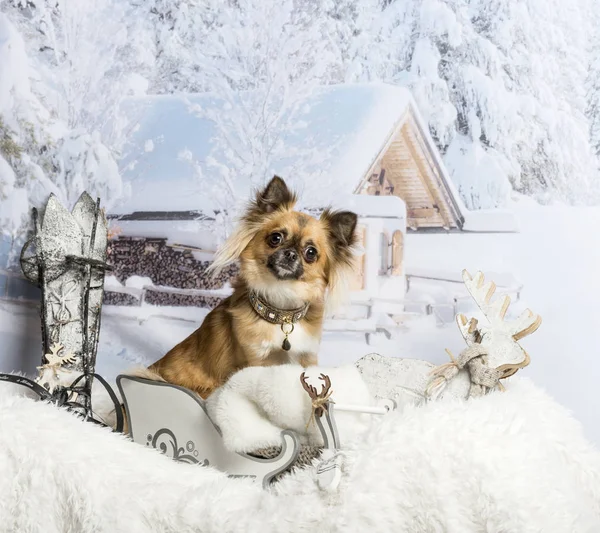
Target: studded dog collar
x=286 y=318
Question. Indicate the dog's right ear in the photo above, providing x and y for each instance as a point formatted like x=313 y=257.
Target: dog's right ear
x=274 y=196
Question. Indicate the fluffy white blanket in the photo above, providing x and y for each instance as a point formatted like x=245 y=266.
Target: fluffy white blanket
x=508 y=462
x=258 y=403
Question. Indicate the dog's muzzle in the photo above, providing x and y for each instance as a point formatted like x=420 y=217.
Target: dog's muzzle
x=286 y=264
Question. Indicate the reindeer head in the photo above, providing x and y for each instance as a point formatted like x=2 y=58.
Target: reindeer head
x=499 y=336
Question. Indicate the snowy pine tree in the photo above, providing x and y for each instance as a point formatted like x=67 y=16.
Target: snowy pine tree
x=593 y=88
x=500 y=83
x=59 y=90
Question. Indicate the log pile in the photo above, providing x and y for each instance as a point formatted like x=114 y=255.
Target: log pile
x=165 y=265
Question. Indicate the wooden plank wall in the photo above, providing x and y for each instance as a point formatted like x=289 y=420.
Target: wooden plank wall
x=409 y=172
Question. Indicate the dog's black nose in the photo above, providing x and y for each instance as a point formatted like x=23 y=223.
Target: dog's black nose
x=290 y=255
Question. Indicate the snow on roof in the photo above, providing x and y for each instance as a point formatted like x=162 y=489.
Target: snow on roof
x=348 y=124
x=187 y=232
x=372 y=206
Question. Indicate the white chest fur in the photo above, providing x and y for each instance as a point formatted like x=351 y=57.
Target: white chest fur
x=301 y=341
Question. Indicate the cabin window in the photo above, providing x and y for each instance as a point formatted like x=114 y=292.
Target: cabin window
x=397 y=252
x=378 y=184
x=384 y=254
x=357 y=281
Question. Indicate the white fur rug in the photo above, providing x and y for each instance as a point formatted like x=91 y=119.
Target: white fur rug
x=509 y=462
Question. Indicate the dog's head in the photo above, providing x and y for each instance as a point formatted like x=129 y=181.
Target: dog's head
x=288 y=256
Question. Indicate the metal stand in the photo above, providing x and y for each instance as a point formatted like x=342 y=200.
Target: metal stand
x=66 y=258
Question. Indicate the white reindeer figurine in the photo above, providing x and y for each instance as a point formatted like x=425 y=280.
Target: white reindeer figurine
x=493 y=352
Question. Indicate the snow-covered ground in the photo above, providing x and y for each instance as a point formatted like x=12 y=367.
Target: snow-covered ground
x=556 y=256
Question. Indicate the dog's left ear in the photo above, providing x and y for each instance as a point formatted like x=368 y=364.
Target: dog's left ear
x=274 y=196
x=342 y=227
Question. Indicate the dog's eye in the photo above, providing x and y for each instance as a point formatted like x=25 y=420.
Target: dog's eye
x=275 y=239
x=310 y=254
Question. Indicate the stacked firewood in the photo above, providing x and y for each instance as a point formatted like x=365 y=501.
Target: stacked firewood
x=166 y=266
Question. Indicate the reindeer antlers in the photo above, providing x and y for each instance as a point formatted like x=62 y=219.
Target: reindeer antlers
x=495 y=311
x=500 y=336
x=318 y=399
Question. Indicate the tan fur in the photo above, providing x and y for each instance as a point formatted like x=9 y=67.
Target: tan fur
x=232 y=335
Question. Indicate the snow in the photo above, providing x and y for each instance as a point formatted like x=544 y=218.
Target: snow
x=552 y=258
x=13 y=64
x=14 y=207
x=491 y=220
x=372 y=206
x=13 y=202
x=184 y=232
x=44 y=151
x=137 y=85
x=501 y=279
x=478 y=174
x=504 y=102
x=85 y=164
x=487 y=181
x=111 y=281
x=171 y=152
x=507 y=90
x=138 y=282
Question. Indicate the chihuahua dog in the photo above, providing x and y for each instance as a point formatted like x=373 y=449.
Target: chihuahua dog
x=289 y=263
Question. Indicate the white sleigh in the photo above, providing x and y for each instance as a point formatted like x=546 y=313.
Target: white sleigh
x=175 y=421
